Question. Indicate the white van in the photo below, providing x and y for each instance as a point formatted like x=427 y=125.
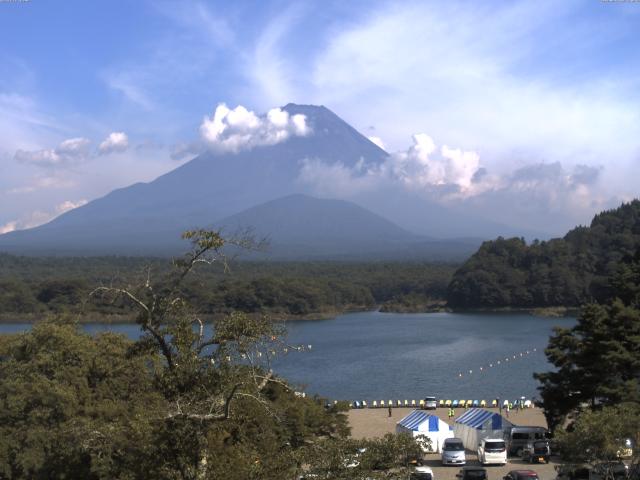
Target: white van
x=453 y=452
x=492 y=450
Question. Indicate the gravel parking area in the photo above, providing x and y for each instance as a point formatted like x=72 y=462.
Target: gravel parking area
x=494 y=472
x=371 y=423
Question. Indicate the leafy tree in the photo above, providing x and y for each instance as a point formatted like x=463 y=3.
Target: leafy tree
x=388 y=457
x=75 y=406
x=598 y=437
x=597 y=360
x=188 y=400
x=568 y=271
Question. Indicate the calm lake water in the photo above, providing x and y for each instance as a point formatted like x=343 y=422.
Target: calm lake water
x=374 y=355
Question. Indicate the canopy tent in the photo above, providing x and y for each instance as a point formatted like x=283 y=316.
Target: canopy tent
x=475 y=424
x=421 y=423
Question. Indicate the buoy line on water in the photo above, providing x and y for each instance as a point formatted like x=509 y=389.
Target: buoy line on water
x=505 y=361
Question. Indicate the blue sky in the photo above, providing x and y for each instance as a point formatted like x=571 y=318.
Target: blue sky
x=544 y=92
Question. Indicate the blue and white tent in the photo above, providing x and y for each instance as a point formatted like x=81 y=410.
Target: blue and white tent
x=477 y=423
x=419 y=422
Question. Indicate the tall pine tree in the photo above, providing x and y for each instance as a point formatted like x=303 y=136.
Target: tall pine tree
x=598 y=360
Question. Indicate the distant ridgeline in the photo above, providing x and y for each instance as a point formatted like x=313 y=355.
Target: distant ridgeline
x=565 y=271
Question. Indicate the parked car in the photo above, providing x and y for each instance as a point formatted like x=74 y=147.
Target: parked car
x=453 y=452
x=537 y=451
x=521 y=475
x=421 y=473
x=518 y=438
x=430 y=403
x=492 y=450
x=472 y=473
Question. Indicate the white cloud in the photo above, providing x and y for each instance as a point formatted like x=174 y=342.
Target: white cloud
x=270 y=70
x=129 y=86
x=40 y=217
x=238 y=129
x=116 y=142
x=67 y=152
x=183 y=151
x=378 y=141
x=8 y=227
x=450 y=171
x=543 y=197
x=337 y=179
x=73 y=147
x=419 y=166
x=517 y=78
x=69 y=205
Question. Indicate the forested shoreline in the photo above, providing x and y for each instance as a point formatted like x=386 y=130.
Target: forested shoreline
x=568 y=272
x=34 y=287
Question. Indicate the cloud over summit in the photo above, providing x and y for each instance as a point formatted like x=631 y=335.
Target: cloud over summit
x=233 y=130
x=423 y=166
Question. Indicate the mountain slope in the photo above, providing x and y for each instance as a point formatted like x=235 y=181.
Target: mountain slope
x=568 y=271
x=148 y=218
x=299 y=225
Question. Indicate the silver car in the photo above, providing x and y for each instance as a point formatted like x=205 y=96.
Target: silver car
x=453 y=452
x=430 y=403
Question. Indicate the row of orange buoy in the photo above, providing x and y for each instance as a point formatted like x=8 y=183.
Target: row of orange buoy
x=497 y=363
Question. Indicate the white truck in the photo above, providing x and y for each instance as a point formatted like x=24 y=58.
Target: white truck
x=492 y=451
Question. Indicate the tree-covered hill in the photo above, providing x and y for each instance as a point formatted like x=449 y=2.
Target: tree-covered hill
x=566 y=271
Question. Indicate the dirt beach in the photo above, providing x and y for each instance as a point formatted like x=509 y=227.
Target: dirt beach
x=371 y=423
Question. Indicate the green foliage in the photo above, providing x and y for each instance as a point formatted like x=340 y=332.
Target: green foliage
x=598 y=360
x=561 y=272
x=386 y=457
x=176 y=404
x=179 y=403
x=599 y=436
x=33 y=286
x=75 y=406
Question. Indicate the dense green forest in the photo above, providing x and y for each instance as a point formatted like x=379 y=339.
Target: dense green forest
x=568 y=271
x=32 y=286
x=178 y=403
x=597 y=360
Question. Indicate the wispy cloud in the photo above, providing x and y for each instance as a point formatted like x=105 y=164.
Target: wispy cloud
x=177 y=62
x=131 y=85
x=506 y=80
x=269 y=68
x=547 y=197
x=68 y=152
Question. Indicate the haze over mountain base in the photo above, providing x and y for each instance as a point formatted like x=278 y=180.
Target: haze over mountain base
x=235 y=186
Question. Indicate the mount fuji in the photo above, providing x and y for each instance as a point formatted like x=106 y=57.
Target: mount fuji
x=260 y=188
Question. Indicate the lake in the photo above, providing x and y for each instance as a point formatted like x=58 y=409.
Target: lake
x=373 y=355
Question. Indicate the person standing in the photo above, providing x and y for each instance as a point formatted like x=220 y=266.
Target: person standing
x=389 y=410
